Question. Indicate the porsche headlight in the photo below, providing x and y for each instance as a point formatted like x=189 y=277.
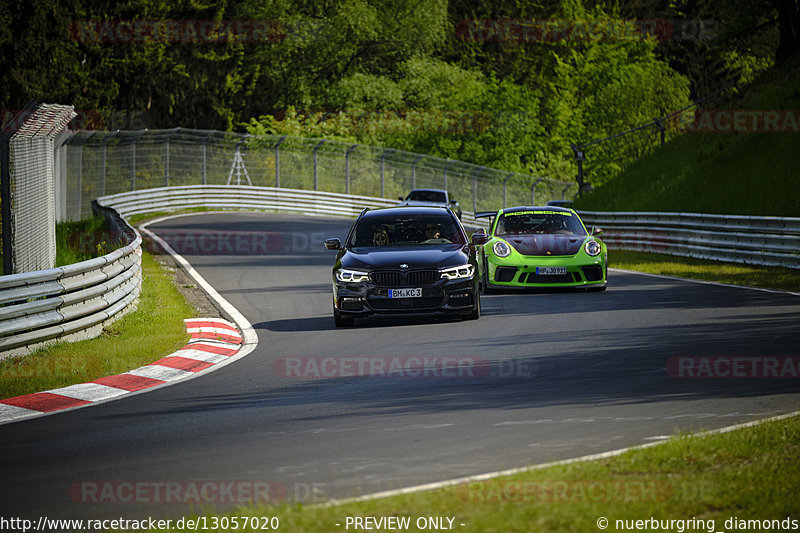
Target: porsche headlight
x=592 y=247
x=459 y=272
x=501 y=249
x=351 y=276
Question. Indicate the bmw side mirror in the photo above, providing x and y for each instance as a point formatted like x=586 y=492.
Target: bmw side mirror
x=333 y=244
x=400 y=198
x=597 y=231
x=480 y=237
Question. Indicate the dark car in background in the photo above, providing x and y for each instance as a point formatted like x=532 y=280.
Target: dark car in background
x=406 y=261
x=432 y=197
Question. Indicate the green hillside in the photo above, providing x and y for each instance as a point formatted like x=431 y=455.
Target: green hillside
x=729 y=173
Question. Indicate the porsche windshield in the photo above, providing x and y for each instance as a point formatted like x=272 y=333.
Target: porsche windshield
x=398 y=230
x=539 y=222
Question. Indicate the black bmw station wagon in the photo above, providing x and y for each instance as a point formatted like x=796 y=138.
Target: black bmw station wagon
x=406 y=261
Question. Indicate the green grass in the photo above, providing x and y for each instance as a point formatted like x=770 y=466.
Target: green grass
x=751 y=473
x=84 y=239
x=780 y=278
x=153 y=330
x=723 y=173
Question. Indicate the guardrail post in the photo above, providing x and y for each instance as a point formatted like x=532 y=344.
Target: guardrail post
x=278 y=161
x=505 y=185
x=533 y=190
x=347 y=168
x=316 y=172
x=414 y=171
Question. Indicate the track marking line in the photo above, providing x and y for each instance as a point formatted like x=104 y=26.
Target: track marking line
x=214 y=343
x=585 y=458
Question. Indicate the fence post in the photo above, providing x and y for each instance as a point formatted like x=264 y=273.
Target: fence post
x=414 y=171
x=505 y=184
x=133 y=164
x=475 y=189
x=80 y=182
x=278 y=161
x=533 y=191
x=166 y=163
x=316 y=173
x=347 y=168
x=662 y=130
x=382 y=163
x=448 y=165
x=579 y=157
x=103 y=166
x=203 y=168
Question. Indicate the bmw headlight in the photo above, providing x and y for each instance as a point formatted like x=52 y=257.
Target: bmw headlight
x=351 y=276
x=592 y=248
x=459 y=272
x=501 y=249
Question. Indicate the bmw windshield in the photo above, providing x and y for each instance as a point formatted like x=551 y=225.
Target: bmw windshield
x=400 y=230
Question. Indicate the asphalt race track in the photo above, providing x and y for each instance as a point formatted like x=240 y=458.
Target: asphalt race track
x=558 y=375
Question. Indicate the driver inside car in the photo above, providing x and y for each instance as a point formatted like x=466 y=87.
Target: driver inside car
x=432 y=231
x=380 y=238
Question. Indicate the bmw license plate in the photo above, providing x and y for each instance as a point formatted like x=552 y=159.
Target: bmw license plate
x=405 y=293
x=551 y=271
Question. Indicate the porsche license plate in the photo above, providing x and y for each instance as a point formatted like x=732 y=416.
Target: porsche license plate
x=405 y=293
x=551 y=271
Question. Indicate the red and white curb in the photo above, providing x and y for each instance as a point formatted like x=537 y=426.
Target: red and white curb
x=213 y=342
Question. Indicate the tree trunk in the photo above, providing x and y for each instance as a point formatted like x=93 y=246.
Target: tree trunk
x=788 y=28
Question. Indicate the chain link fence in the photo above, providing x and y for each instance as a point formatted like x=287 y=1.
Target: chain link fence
x=100 y=163
x=29 y=167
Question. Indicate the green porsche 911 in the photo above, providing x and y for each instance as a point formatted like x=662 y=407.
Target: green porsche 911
x=532 y=247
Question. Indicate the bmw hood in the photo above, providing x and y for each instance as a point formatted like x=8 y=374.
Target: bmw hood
x=547 y=244
x=433 y=256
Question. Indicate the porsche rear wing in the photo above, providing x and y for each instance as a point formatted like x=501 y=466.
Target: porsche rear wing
x=484 y=214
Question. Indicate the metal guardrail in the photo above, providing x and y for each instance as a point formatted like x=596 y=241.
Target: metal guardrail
x=73 y=301
x=249 y=198
x=769 y=241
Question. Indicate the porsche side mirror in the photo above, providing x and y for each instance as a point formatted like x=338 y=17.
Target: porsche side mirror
x=480 y=237
x=597 y=231
x=333 y=244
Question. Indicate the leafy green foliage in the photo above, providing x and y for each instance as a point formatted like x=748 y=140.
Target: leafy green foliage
x=462 y=79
